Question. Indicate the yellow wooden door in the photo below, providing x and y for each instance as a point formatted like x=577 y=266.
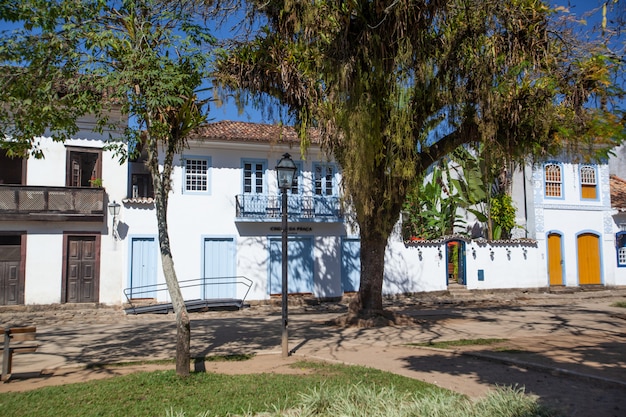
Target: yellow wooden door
x=555 y=259
x=588 y=259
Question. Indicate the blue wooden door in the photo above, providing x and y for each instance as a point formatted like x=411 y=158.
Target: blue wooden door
x=299 y=265
x=143 y=267
x=350 y=265
x=219 y=268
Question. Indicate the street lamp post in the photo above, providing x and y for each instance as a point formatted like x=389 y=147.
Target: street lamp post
x=285 y=172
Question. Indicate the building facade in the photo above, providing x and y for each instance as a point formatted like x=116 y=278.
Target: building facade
x=55 y=231
x=60 y=243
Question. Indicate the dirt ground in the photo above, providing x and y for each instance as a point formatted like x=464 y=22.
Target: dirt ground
x=569 y=351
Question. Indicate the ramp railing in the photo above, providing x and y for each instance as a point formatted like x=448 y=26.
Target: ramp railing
x=151 y=292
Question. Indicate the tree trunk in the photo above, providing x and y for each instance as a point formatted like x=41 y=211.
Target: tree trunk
x=372 y=273
x=183 y=324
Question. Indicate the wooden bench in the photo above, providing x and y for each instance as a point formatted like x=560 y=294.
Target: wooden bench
x=19 y=335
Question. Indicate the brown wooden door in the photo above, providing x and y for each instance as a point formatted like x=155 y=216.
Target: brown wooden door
x=81 y=275
x=555 y=259
x=11 y=284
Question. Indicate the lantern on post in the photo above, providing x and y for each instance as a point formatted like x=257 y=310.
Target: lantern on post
x=285 y=172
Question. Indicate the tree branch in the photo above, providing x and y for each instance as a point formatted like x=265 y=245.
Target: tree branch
x=468 y=132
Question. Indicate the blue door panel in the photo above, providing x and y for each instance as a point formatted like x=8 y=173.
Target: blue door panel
x=350 y=265
x=299 y=265
x=219 y=262
x=143 y=267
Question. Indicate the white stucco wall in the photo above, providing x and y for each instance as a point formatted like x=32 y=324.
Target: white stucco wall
x=504 y=265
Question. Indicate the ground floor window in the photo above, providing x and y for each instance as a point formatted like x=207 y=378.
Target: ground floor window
x=620 y=243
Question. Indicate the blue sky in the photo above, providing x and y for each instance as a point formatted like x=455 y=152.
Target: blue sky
x=229 y=110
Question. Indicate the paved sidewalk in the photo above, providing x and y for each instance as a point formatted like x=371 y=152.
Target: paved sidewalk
x=569 y=349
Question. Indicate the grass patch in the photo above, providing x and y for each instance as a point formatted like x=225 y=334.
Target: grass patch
x=621 y=304
x=161 y=392
x=509 y=350
x=359 y=400
x=461 y=342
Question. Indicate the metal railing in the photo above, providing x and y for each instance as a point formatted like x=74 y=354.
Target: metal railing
x=151 y=293
x=311 y=207
x=28 y=201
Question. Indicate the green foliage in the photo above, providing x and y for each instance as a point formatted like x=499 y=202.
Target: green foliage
x=326 y=390
x=430 y=210
x=349 y=400
x=502 y=215
x=70 y=59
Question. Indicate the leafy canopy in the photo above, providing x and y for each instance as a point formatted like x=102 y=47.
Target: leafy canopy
x=67 y=58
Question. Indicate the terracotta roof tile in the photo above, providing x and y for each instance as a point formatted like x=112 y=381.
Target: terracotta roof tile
x=250 y=132
x=618 y=193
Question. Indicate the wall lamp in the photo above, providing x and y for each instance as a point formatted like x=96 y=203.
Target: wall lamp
x=114 y=210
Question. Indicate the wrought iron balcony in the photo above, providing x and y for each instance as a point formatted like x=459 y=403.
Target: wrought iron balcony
x=27 y=202
x=299 y=207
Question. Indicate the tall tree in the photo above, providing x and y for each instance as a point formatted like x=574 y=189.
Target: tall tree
x=396 y=85
x=71 y=58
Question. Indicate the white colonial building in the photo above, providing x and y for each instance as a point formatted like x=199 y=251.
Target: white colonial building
x=224 y=219
x=60 y=241
x=55 y=237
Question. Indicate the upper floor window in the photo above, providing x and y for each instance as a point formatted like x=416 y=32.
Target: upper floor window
x=553 y=180
x=141 y=186
x=84 y=167
x=253 y=177
x=197 y=174
x=297 y=180
x=588 y=182
x=324 y=179
x=12 y=170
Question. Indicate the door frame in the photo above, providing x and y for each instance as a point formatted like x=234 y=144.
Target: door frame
x=462 y=260
x=598 y=237
x=562 y=253
x=233 y=240
x=22 y=270
x=155 y=238
x=66 y=237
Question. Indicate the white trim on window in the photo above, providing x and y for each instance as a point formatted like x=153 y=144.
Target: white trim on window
x=254 y=176
x=553 y=180
x=324 y=179
x=196 y=178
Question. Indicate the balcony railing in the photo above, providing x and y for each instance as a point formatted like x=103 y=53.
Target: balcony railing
x=303 y=208
x=27 y=202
